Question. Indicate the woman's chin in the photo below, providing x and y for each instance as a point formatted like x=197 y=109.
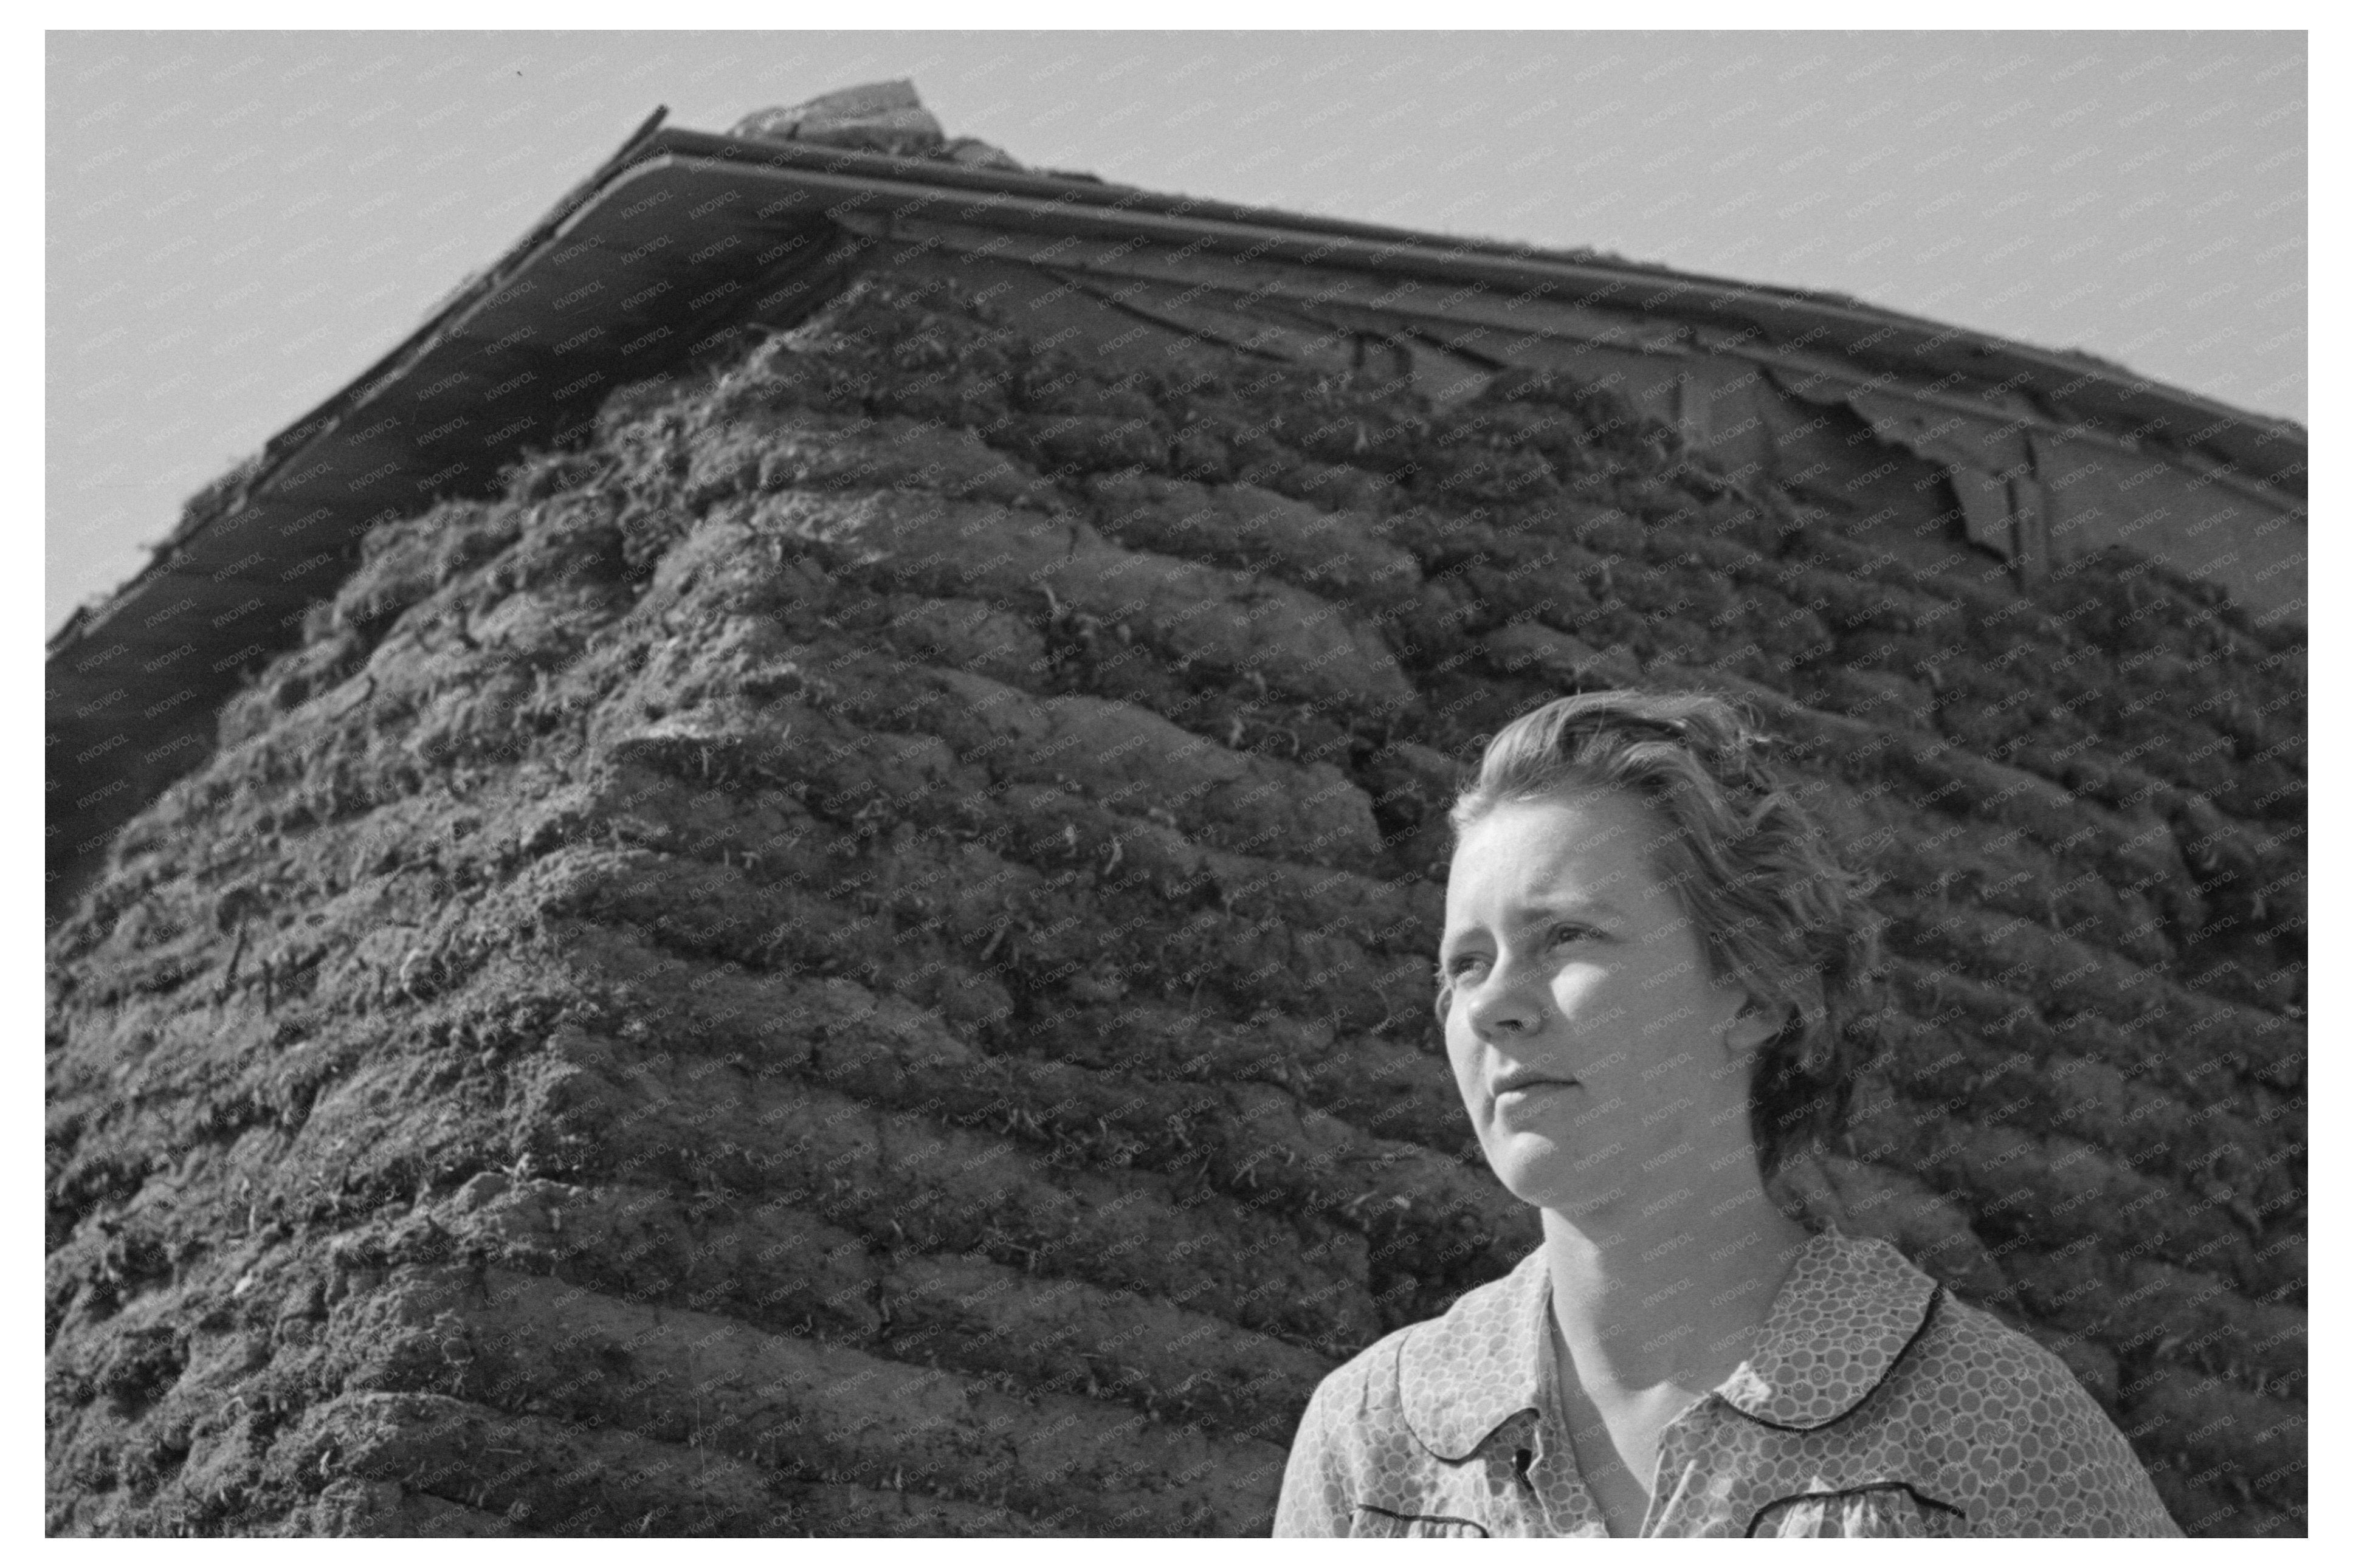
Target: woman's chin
x=1547 y=1178
x=1570 y=1203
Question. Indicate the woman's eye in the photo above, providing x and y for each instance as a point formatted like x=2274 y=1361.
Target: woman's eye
x=1461 y=962
x=1572 y=932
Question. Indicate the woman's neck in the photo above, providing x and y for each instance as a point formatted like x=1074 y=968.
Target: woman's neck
x=1676 y=1298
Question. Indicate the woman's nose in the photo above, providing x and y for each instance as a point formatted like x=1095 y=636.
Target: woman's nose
x=1511 y=1000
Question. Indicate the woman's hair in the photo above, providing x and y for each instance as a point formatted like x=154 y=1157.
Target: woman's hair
x=1775 y=914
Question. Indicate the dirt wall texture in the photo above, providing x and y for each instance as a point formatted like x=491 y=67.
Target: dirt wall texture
x=853 y=956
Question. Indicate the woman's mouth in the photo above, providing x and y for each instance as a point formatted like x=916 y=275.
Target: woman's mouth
x=1528 y=1093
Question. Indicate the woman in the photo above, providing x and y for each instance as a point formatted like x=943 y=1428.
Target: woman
x=1647 y=952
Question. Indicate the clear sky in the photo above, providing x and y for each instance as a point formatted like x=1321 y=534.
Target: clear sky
x=238 y=224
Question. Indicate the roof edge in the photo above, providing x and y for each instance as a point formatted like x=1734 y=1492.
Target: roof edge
x=2233 y=436
x=1073 y=192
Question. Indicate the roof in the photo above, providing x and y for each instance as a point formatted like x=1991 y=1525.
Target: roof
x=668 y=191
x=681 y=236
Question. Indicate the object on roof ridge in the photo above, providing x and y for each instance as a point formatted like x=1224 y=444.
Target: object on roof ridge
x=981 y=155
x=879 y=117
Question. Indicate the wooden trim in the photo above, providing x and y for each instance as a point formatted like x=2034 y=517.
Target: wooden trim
x=1330 y=293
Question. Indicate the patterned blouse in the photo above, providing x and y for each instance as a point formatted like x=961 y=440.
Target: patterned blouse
x=1875 y=1404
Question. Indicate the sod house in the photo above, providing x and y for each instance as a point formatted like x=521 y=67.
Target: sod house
x=783 y=877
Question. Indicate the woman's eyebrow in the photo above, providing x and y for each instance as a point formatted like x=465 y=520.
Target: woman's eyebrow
x=1529 y=914
x=1600 y=909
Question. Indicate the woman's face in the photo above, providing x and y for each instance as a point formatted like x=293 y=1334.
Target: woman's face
x=1598 y=1060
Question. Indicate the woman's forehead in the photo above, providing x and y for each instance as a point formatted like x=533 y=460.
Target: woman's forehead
x=1595 y=845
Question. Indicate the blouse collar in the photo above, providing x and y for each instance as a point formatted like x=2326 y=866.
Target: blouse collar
x=1848 y=1310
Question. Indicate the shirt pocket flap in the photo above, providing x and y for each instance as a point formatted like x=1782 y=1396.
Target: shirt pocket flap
x=1386 y=1523
x=1880 y=1509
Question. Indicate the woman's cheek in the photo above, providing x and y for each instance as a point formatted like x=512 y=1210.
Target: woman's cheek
x=1463 y=1056
x=1578 y=988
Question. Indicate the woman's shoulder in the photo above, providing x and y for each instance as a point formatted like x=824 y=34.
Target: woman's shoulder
x=1989 y=1365
x=2021 y=1438
x=1892 y=1324
x=1406 y=1378
x=1365 y=1384
x=1379 y=1433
